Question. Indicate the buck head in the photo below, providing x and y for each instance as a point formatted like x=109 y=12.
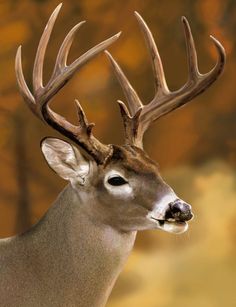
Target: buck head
x=126 y=191
x=120 y=185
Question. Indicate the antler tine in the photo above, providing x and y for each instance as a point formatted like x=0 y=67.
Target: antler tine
x=132 y=97
x=131 y=125
x=191 y=51
x=23 y=88
x=81 y=134
x=61 y=61
x=159 y=75
x=39 y=59
x=219 y=66
x=62 y=72
x=164 y=100
x=192 y=54
x=196 y=84
x=39 y=100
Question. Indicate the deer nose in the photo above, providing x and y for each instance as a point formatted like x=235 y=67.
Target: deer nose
x=179 y=210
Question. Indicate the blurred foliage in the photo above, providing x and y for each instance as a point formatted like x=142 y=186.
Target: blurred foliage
x=197 y=268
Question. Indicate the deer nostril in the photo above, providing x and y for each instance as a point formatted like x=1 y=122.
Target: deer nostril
x=180 y=211
x=175 y=208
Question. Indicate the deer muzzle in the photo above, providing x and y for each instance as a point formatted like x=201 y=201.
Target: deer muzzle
x=171 y=214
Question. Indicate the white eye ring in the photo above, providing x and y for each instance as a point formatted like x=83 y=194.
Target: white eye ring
x=122 y=190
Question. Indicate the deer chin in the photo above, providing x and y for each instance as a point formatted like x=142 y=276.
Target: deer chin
x=171 y=226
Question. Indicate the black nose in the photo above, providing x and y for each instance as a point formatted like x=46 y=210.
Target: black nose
x=179 y=210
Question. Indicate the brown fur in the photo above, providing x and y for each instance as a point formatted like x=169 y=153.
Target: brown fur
x=74 y=255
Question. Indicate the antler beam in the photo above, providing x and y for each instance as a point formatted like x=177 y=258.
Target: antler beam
x=62 y=73
x=139 y=116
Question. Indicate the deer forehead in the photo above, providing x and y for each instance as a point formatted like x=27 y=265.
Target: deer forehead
x=130 y=161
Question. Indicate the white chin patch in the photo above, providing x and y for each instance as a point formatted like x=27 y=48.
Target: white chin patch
x=174 y=227
x=157 y=215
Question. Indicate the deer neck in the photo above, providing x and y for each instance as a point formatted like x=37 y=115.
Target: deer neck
x=89 y=253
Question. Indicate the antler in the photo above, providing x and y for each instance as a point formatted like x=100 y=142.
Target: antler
x=138 y=118
x=38 y=101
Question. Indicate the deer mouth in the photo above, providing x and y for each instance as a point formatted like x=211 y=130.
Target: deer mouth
x=174 y=218
x=171 y=225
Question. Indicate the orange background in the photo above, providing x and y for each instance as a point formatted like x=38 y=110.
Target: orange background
x=195 y=145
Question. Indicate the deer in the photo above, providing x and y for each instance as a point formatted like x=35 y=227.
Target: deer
x=75 y=253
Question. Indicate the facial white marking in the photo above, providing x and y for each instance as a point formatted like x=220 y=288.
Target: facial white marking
x=174 y=227
x=158 y=213
x=124 y=191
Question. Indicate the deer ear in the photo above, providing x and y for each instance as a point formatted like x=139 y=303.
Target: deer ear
x=66 y=160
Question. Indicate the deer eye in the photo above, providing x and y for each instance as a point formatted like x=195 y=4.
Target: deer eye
x=116 y=181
